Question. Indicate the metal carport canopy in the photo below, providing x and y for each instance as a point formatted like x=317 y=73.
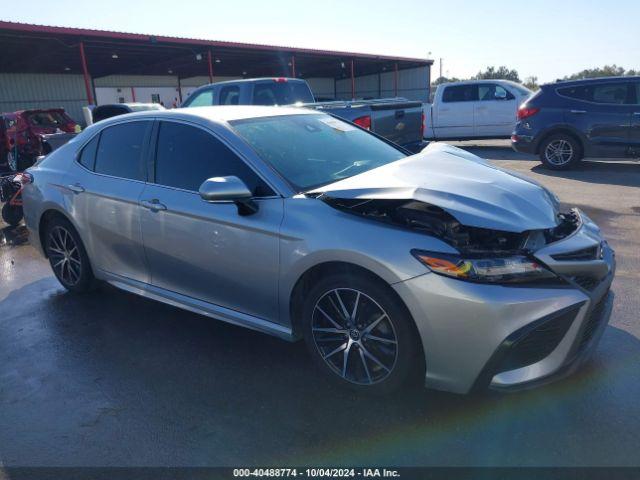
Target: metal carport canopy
x=28 y=48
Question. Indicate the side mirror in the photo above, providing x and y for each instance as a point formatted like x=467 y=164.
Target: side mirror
x=500 y=95
x=228 y=189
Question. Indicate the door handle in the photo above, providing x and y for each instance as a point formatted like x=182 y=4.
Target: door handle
x=399 y=113
x=153 y=205
x=578 y=112
x=76 y=188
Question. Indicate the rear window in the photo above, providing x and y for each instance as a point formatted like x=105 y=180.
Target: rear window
x=281 y=93
x=460 y=93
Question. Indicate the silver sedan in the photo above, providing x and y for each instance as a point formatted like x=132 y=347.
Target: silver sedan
x=392 y=267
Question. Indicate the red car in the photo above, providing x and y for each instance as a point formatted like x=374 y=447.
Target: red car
x=22 y=134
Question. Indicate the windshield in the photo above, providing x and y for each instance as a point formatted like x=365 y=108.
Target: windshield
x=521 y=88
x=314 y=150
x=281 y=93
x=47 y=119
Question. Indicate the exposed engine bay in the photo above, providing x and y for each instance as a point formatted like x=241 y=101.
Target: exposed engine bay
x=435 y=221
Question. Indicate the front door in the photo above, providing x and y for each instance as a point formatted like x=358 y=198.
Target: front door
x=495 y=112
x=208 y=251
x=103 y=188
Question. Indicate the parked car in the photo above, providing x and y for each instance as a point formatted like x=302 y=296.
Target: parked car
x=295 y=223
x=396 y=119
x=22 y=134
x=102 y=112
x=566 y=121
x=475 y=109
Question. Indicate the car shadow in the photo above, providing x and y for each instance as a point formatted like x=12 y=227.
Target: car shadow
x=84 y=366
x=622 y=173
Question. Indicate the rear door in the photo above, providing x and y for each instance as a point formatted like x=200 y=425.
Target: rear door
x=205 y=250
x=495 y=112
x=602 y=112
x=454 y=114
x=104 y=186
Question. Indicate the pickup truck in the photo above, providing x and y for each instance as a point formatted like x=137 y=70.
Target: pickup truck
x=475 y=109
x=396 y=119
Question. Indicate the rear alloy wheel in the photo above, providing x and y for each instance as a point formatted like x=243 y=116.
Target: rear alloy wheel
x=560 y=152
x=68 y=257
x=359 y=334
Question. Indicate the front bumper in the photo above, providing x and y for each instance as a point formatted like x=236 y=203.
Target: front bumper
x=478 y=335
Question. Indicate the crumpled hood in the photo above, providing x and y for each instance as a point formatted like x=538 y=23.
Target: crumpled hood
x=476 y=193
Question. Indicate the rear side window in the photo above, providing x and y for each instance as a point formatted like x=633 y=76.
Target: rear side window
x=460 y=93
x=636 y=88
x=187 y=156
x=607 y=93
x=202 y=99
x=229 y=96
x=610 y=93
x=120 y=151
x=87 y=156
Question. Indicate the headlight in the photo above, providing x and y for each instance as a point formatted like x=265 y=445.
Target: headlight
x=510 y=269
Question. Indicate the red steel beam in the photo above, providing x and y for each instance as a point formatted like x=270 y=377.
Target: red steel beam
x=353 y=82
x=85 y=71
x=210 y=66
x=133 y=94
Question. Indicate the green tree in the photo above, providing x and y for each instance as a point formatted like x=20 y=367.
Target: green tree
x=502 y=73
x=606 y=71
x=531 y=83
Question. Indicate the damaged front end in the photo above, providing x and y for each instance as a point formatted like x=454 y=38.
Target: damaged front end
x=485 y=255
x=435 y=221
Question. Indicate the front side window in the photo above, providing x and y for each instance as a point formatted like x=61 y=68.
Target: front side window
x=202 y=99
x=120 y=151
x=493 y=92
x=460 y=93
x=186 y=156
x=312 y=150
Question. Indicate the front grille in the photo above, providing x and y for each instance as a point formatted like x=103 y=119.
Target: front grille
x=538 y=342
x=593 y=321
x=588 y=283
x=589 y=253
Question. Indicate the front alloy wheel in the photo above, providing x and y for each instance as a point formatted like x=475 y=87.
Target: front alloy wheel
x=354 y=336
x=360 y=334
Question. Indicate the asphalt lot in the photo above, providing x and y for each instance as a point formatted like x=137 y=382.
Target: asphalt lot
x=111 y=379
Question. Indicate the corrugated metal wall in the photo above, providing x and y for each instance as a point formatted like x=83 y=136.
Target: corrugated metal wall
x=21 y=91
x=412 y=84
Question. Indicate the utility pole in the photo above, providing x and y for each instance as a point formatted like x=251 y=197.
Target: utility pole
x=440 y=67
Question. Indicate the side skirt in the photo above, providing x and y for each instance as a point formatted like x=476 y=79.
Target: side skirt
x=198 y=306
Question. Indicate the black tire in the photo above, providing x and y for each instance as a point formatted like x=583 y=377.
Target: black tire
x=362 y=373
x=12 y=214
x=60 y=236
x=560 y=152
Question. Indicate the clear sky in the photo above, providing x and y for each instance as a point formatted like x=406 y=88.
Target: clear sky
x=545 y=38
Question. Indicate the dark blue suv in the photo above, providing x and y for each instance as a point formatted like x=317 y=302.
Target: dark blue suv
x=566 y=121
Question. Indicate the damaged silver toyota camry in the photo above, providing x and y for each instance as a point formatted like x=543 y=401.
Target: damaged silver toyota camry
x=392 y=267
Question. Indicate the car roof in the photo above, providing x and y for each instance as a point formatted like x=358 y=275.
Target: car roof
x=253 y=80
x=217 y=114
x=582 y=81
x=484 y=80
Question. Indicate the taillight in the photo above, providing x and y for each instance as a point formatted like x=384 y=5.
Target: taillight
x=422 y=126
x=526 y=112
x=364 y=122
x=280 y=80
x=23 y=178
